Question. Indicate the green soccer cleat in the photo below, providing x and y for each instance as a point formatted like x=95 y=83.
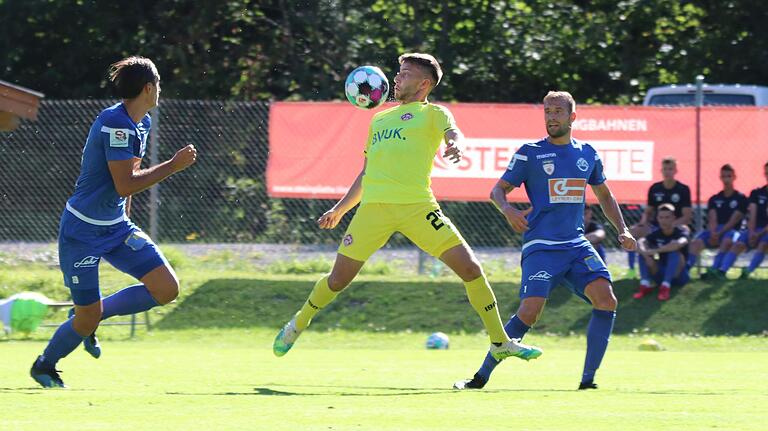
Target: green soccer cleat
x=744 y=274
x=514 y=348
x=285 y=338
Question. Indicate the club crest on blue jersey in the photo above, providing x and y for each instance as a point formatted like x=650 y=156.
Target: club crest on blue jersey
x=582 y=164
x=549 y=167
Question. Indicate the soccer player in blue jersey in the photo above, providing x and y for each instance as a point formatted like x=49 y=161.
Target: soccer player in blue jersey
x=95 y=223
x=755 y=236
x=556 y=172
x=725 y=211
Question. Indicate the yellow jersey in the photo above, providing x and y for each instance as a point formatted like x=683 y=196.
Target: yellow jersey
x=402 y=142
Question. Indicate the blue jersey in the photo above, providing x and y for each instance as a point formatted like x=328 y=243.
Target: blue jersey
x=113 y=136
x=555 y=178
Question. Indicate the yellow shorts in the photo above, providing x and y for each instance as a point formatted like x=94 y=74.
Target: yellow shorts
x=422 y=223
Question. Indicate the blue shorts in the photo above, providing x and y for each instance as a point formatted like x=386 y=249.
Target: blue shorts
x=575 y=267
x=705 y=235
x=82 y=245
x=743 y=237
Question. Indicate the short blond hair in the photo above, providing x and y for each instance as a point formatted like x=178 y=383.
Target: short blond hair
x=425 y=61
x=561 y=95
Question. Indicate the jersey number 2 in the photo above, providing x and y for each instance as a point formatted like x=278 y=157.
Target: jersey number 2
x=434 y=218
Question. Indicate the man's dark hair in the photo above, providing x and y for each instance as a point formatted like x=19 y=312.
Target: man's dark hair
x=129 y=76
x=727 y=168
x=425 y=61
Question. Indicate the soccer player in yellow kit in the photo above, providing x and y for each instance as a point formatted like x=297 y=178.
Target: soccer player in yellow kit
x=394 y=193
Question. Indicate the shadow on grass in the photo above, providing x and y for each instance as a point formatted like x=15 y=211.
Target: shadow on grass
x=711 y=308
x=365 y=391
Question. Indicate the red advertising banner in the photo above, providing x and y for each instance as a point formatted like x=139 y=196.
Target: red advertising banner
x=316 y=148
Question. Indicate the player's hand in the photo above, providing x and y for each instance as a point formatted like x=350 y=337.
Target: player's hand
x=330 y=219
x=184 y=158
x=452 y=152
x=627 y=241
x=517 y=218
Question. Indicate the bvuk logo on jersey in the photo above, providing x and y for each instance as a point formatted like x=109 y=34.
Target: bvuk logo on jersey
x=582 y=164
x=567 y=190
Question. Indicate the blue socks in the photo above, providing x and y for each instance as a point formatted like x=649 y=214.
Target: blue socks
x=670 y=270
x=631 y=256
x=757 y=259
x=728 y=260
x=63 y=342
x=131 y=300
x=598 y=334
x=645 y=273
x=691 y=260
x=718 y=260
x=515 y=328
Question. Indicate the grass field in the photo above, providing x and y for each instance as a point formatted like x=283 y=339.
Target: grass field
x=207 y=365
x=228 y=379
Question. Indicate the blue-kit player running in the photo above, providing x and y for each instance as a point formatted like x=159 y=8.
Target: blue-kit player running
x=95 y=222
x=663 y=253
x=725 y=212
x=556 y=172
x=755 y=236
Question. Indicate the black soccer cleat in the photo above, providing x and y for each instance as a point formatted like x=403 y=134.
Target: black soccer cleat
x=476 y=382
x=46 y=375
x=587 y=385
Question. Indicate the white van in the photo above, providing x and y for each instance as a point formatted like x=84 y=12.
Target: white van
x=714 y=94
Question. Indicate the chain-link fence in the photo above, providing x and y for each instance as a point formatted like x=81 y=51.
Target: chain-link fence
x=221 y=199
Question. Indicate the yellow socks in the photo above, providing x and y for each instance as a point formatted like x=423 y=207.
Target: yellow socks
x=483 y=301
x=321 y=296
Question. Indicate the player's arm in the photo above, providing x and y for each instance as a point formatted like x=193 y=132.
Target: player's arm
x=685 y=217
x=516 y=218
x=333 y=216
x=129 y=178
x=128 y=206
x=673 y=245
x=647 y=214
x=711 y=220
x=642 y=246
x=613 y=214
x=733 y=221
x=453 y=138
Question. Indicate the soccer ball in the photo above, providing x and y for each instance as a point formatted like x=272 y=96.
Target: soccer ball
x=438 y=340
x=367 y=87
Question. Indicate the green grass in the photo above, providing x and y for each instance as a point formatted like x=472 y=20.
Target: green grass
x=228 y=379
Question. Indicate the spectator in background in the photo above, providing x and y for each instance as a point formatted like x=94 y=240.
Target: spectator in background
x=663 y=255
x=667 y=191
x=756 y=234
x=594 y=232
x=725 y=211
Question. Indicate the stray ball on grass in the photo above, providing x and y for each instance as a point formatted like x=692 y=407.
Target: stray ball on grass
x=438 y=340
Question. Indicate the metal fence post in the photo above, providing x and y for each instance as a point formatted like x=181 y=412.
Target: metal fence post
x=154 y=192
x=699 y=103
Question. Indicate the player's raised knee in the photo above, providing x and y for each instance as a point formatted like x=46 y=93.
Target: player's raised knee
x=338 y=282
